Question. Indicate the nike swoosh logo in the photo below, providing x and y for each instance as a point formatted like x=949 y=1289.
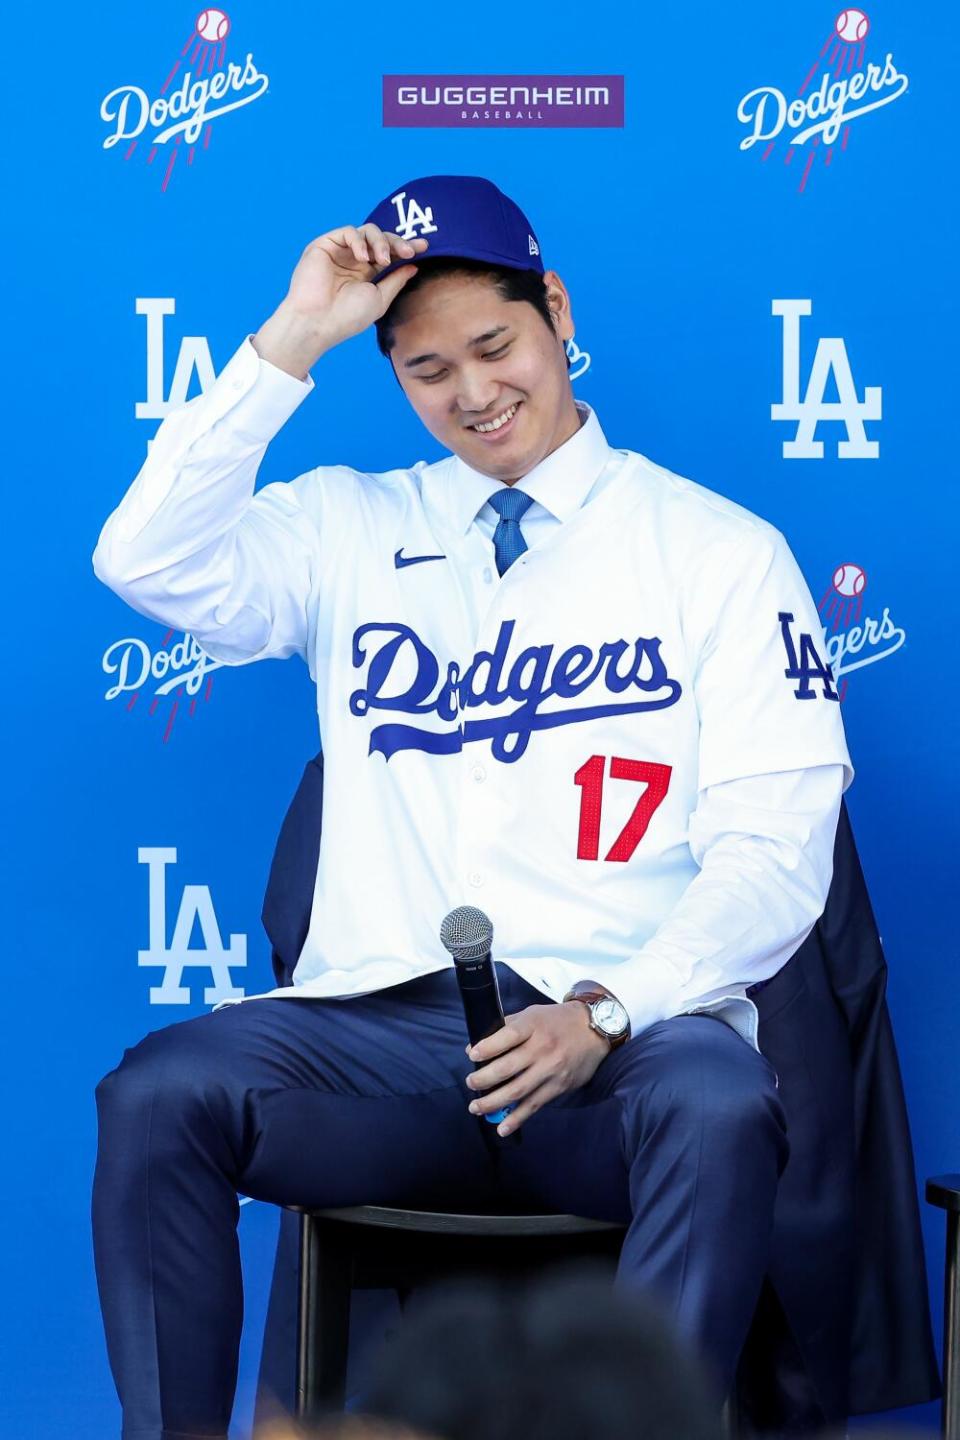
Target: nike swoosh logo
x=400 y=559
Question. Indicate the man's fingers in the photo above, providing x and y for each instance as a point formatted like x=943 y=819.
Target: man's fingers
x=378 y=244
x=514 y=1032
x=497 y=1072
x=369 y=245
x=391 y=285
x=526 y=1107
x=387 y=246
x=514 y=1088
x=356 y=242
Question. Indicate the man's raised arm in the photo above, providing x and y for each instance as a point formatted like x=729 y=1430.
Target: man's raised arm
x=190 y=544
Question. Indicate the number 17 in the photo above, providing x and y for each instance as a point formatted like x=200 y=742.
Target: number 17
x=590 y=779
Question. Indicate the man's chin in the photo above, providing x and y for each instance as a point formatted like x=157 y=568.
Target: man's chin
x=503 y=463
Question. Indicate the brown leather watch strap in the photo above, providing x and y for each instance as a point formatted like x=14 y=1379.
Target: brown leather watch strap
x=588 y=991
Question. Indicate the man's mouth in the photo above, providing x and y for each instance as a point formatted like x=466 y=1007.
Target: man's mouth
x=499 y=425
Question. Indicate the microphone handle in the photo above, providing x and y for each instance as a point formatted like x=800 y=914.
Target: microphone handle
x=480 y=993
x=483 y=1011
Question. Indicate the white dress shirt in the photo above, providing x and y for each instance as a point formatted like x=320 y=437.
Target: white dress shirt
x=473 y=725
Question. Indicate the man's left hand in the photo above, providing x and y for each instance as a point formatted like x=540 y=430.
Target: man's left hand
x=540 y=1053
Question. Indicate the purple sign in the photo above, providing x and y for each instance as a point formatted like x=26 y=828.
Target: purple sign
x=484 y=101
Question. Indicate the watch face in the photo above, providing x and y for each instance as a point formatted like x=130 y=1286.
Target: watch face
x=610 y=1016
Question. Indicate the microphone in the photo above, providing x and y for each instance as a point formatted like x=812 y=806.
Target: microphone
x=467 y=934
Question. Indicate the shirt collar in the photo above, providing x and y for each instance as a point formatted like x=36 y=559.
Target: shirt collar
x=560 y=483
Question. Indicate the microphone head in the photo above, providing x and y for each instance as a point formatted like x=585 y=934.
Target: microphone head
x=467 y=933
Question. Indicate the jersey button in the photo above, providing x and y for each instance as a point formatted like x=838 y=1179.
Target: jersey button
x=475 y=877
x=479 y=774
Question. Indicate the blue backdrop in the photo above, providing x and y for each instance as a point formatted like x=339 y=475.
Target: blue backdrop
x=138 y=263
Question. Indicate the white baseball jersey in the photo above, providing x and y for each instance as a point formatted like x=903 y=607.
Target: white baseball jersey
x=626 y=750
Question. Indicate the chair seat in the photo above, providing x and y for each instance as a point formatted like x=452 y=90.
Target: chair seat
x=429 y=1222
x=944 y=1191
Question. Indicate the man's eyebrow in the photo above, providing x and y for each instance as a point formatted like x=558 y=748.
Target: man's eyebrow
x=479 y=340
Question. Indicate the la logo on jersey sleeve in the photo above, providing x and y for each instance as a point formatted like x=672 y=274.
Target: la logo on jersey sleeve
x=804 y=662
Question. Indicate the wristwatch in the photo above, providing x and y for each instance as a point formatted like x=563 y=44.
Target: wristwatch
x=607 y=1016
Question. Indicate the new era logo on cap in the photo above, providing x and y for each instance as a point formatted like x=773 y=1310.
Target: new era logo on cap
x=461 y=215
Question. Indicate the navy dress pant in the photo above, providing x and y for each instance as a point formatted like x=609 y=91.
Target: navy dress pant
x=679 y=1134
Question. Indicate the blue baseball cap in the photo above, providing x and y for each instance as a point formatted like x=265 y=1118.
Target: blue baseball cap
x=462 y=215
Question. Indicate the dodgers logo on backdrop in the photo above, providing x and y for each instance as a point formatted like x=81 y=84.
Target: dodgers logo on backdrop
x=579 y=359
x=395 y=655
x=176 y=674
x=830 y=361
x=853 y=639
x=207 y=90
x=196 y=906
x=823 y=110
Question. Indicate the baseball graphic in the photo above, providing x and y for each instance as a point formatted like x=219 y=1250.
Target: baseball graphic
x=852 y=26
x=214 y=25
x=849 y=580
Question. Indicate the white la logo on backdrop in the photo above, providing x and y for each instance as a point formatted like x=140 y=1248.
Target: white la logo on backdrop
x=413 y=221
x=193 y=355
x=195 y=904
x=830 y=358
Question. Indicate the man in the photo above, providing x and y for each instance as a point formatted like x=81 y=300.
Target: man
x=554 y=681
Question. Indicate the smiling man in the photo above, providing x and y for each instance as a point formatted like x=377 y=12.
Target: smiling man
x=554 y=681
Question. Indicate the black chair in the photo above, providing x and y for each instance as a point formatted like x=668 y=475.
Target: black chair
x=944 y=1192
x=843 y=1323
x=373 y=1247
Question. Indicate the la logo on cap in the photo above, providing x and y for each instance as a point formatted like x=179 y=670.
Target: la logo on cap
x=413 y=221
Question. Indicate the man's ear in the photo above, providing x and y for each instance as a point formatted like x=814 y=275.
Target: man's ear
x=559 y=301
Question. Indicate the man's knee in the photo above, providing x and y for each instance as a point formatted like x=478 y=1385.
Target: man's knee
x=702 y=1077
x=165 y=1069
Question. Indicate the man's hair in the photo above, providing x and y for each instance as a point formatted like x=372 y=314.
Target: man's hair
x=510 y=284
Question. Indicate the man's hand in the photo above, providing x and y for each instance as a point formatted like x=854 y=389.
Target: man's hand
x=332 y=295
x=540 y=1053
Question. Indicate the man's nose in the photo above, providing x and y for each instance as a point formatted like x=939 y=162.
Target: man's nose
x=476 y=397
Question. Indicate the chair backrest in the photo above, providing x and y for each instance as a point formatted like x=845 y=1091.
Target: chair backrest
x=289 y=895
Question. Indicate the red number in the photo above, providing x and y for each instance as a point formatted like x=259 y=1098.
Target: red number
x=590 y=778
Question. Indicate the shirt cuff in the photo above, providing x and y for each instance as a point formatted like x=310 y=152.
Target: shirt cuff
x=648 y=993
x=258 y=396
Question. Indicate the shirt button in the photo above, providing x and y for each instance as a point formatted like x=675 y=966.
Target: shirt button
x=487 y=574
x=237 y=385
x=475 y=877
x=478 y=773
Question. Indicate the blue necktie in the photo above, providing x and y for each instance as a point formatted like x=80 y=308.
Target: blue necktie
x=508 y=542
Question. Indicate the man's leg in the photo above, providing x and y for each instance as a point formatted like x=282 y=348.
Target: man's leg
x=679 y=1134
x=323 y=1102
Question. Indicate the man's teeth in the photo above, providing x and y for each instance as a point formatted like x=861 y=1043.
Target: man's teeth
x=495 y=424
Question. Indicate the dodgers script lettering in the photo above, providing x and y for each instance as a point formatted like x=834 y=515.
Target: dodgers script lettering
x=534 y=676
